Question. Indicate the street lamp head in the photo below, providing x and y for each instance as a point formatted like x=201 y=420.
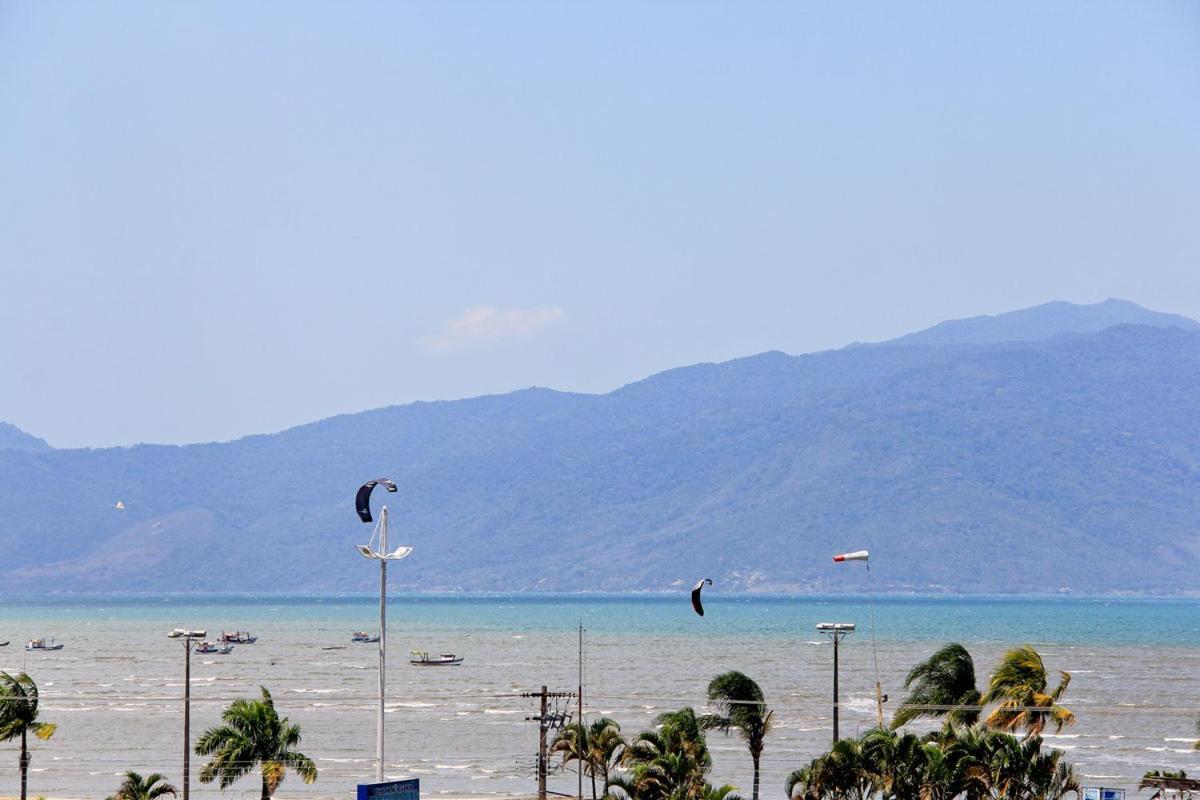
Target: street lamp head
x=184 y=633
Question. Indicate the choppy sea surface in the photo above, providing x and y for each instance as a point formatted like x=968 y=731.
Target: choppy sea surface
x=115 y=689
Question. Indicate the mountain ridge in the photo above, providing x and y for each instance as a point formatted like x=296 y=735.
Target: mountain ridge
x=1080 y=446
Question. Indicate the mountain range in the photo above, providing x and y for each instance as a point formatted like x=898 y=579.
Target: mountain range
x=1051 y=449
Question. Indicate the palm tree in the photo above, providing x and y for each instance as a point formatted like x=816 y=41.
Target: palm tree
x=947 y=678
x=669 y=763
x=840 y=774
x=1019 y=685
x=572 y=742
x=740 y=705
x=135 y=787
x=896 y=763
x=594 y=748
x=253 y=734
x=19 y=717
x=724 y=792
x=605 y=745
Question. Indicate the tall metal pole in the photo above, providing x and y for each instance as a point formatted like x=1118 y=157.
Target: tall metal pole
x=581 y=725
x=187 y=715
x=383 y=547
x=541 y=767
x=836 y=638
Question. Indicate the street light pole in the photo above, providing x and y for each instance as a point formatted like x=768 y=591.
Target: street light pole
x=383 y=555
x=187 y=715
x=383 y=520
x=188 y=637
x=836 y=631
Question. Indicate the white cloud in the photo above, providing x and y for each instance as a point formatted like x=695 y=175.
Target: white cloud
x=485 y=325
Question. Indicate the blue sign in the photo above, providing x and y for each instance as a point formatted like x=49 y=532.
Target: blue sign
x=392 y=790
x=1103 y=793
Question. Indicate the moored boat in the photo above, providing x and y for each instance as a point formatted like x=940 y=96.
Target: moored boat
x=363 y=637
x=419 y=658
x=214 y=648
x=42 y=645
x=237 y=637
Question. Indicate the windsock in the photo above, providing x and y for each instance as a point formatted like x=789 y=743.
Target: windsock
x=857 y=555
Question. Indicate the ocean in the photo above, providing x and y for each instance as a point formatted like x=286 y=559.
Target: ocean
x=115 y=689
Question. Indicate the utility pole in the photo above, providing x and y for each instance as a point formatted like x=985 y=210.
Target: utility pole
x=547 y=721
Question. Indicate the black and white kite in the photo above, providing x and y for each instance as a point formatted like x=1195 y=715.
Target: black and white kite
x=362 y=501
x=696 y=595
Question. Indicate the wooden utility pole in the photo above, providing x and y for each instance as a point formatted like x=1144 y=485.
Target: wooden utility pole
x=547 y=721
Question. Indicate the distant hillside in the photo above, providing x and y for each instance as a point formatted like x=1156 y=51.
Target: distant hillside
x=13 y=438
x=1068 y=462
x=1044 y=321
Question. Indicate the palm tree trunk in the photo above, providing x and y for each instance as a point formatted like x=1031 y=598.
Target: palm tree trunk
x=266 y=794
x=593 y=771
x=24 y=764
x=755 y=758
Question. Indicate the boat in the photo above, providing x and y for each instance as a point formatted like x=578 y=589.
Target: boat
x=42 y=645
x=4 y=644
x=238 y=637
x=419 y=658
x=213 y=647
x=363 y=636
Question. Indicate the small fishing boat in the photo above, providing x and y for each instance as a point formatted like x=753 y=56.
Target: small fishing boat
x=238 y=637
x=420 y=658
x=363 y=637
x=214 y=648
x=42 y=645
x=4 y=644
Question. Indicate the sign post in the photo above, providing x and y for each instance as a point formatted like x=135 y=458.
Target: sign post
x=391 y=790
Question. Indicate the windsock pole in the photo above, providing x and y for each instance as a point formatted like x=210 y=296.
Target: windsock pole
x=865 y=556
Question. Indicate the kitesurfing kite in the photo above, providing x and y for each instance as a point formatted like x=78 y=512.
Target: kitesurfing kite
x=362 y=501
x=696 y=595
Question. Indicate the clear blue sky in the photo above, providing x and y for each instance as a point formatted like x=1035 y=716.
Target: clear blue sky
x=226 y=218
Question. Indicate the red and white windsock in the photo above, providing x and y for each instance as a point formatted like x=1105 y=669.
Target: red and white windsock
x=857 y=555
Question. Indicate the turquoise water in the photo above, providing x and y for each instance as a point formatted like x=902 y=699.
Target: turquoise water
x=116 y=687
x=1132 y=621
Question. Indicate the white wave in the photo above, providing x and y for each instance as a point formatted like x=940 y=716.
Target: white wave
x=502 y=711
x=452 y=766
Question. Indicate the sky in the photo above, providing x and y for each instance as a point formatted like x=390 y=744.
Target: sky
x=226 y=218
